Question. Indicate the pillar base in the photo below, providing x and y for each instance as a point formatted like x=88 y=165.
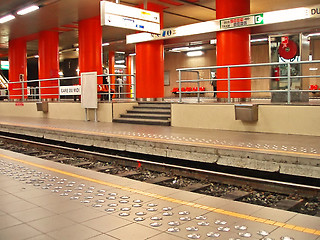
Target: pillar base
x=149 y=99
x=234 y=100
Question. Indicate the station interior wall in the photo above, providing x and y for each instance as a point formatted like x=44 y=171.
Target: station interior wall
x=282 y=119
x=259 y=54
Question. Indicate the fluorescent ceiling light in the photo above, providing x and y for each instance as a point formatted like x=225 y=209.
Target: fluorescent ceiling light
x=7 y=18
x=313 y=34
x=194 y=53
x=119 y=66
x=105 y=44
x=36 y=56
x=132 y=54
x=259 y=40
x=121 y=52
x=313 y=69
x=120 y=61
x=28 y=10
x=183 y=49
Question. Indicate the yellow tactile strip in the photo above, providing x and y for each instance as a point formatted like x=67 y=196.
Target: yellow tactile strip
x=146 y=138
x=169 y=199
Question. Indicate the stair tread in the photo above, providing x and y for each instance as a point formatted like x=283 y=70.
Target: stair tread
x=140 y=120
x=147 y=115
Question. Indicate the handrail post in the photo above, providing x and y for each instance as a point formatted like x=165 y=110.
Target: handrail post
x=59 y=98
x=134 y=88
x=289 y=82
x=229 y=86
x=22 y=84
x=110 y=97
x=180 y=100
x=198 y=93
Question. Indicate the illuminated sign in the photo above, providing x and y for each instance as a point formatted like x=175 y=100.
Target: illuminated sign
x=230 y=23
x=4 y=65
x=243 y=21
x=118 y=15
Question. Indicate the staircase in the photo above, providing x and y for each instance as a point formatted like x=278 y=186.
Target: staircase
x=148 y=113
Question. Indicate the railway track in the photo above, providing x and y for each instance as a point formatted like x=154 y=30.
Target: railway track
x=295 y=197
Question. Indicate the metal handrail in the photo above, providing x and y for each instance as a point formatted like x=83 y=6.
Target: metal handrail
x=38 y=94
x=288 y=77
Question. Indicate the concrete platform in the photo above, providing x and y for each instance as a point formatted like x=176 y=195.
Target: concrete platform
x=41 y=199
x=289 y=154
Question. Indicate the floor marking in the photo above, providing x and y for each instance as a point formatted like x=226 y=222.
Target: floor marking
x=164 y=140
x=216 y=210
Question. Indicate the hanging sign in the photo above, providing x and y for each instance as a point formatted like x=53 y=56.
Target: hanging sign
x=118 y=15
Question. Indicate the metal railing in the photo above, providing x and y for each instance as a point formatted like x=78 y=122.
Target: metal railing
x=285 y=80
x=33 y=90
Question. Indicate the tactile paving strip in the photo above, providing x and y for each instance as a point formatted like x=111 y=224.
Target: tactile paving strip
x=173 y=220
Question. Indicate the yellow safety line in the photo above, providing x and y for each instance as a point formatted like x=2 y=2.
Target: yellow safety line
x=173 y=200
x=164 y=140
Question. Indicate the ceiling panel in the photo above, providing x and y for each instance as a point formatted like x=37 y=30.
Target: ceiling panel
x=57 y=13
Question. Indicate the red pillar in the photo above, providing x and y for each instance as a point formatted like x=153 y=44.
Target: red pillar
x=49 y=64
x=129 y=71
x=233 y=47
x=18 y=66
x=111 y=60
x=150 y=64
x=90 y=46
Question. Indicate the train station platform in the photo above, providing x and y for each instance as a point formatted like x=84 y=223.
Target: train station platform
x=41 y=199
x=297 y=155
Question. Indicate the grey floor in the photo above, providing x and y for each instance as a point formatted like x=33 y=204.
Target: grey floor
x=40 y=199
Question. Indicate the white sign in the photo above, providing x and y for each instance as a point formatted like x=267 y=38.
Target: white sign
x=118 y=15
x=89 y=96
x=130 y=23
x=70 y=90
x=237 y=22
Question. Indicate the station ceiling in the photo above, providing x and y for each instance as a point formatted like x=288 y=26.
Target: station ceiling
x=63 y=16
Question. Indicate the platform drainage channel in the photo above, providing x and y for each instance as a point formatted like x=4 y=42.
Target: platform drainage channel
x=182 y=221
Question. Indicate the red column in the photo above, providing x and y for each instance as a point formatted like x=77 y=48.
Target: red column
x=129 y=71
x=90 y=46
x=233 y=47
x=49 y=64
x=18 y=65
x=111 y=60
x=150 y=64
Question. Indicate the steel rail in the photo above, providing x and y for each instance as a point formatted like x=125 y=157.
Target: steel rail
x=219 y=177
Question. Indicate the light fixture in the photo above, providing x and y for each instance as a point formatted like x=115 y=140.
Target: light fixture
x=105 y=44
x=7 y=18
x=259 y=40
x=313 y=34
x=183 y=49
x=194 y=53
x=77 y=49
x=28 y=10
x=313 y=69
x=121 y=52
x=36 y=56
x=119 y=66
x=132 y=54
x=120 y=61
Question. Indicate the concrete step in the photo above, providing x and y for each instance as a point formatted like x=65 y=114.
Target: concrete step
x=153 y=106
x=142 y=121
x=150 y=111
x=146 y=116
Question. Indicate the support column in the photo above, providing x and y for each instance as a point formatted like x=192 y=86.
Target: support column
x=49 y=64
x=129 y=79
x=111 y=59
x=233 y=47
x=90 y=46
x=18 y=66
x=150 y=65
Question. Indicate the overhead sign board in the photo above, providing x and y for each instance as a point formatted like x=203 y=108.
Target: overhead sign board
x=242 y=21
x=4 y=65
x=230 y=23
x=118 y=15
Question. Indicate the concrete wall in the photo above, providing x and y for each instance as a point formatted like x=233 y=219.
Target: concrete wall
x=282 y=119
